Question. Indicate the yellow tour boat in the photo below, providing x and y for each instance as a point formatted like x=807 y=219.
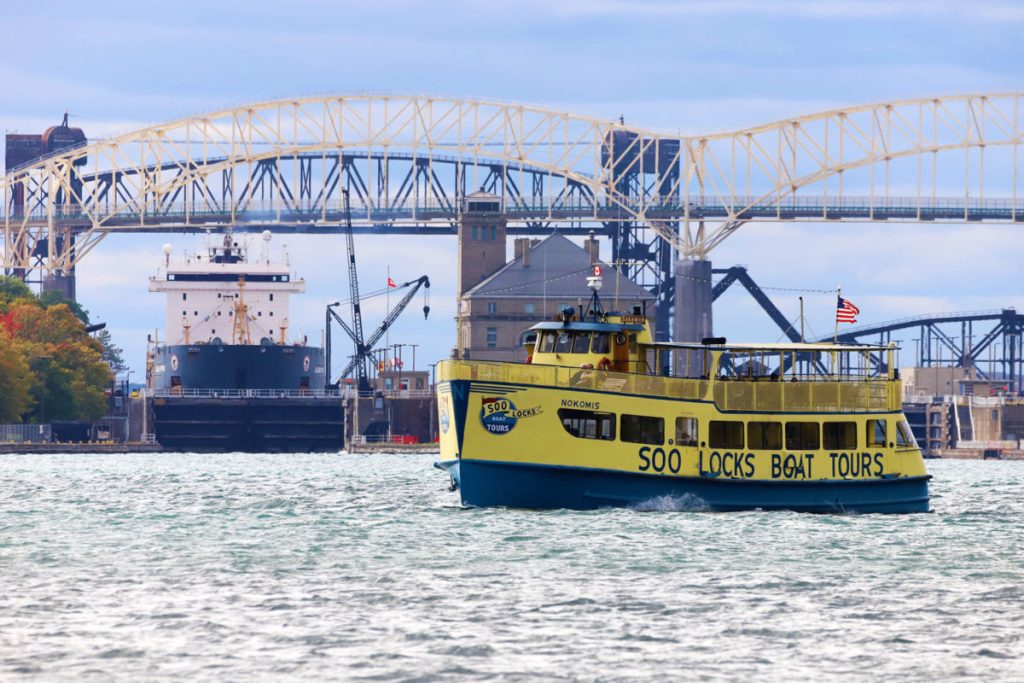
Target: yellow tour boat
x=602 y=415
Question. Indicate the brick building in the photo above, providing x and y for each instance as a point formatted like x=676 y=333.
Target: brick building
x=496 y=312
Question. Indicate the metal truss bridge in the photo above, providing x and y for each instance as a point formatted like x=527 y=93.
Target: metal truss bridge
x=992 y=342
x=407 y=162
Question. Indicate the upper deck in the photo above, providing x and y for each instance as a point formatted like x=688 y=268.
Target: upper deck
x=616 y=354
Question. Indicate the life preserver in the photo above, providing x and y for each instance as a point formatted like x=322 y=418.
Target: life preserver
x=604 y=364
x=529 y=359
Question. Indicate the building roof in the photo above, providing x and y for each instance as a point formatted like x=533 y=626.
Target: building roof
x=558 y=269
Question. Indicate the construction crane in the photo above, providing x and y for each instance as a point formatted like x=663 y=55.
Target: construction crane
x=364 y=347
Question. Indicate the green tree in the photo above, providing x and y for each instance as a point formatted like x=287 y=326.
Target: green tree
x=15 y=380
x=112 y=353
x=68 y=373
x=13 y=289
x=52 y=298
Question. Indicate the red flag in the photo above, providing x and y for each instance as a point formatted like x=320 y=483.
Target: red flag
x=391 y=283
x=846 y=312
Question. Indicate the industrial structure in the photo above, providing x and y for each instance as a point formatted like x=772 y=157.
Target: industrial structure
x=411 y=165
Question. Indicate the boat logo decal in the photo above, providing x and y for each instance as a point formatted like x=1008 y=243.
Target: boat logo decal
x=174 y=363
x=445 y=419
x=305 y=364
x=500 y=415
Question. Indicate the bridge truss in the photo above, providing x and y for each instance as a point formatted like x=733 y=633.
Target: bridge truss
x=407 y=162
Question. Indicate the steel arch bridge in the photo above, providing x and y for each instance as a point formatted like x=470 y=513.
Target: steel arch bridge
x=407 y=161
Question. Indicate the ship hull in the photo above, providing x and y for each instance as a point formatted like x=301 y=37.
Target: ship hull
x=527 y=445
x=251 y=425
x=485 y=483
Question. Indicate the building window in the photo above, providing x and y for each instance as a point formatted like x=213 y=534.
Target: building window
x=725 y=434
x=686 y=431
x=492 y=337
x=184 y=296
x=492 y=307
x=271 y=296
x=643 y=429
x=586 y=424
x=494 y=232
x=529 y=308
x=475 y=232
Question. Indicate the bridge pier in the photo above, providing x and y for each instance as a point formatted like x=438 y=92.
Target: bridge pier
x=693 y=320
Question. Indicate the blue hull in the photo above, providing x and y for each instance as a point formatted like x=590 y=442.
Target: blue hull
x=524 y=485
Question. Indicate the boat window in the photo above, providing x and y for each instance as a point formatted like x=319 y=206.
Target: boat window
x=643 y=429
x=563 y=342
x=586 y=424
x=803 y=436
x=876 y=432
x=839 y=435
x=764 y=435
x=725 y=434
x=686 y=431
x=601 y=342
x=547 y=342
x=581 y=342
x=904 y=436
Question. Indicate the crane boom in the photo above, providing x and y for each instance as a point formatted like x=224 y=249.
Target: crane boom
x=415 y=285
x=359 y=359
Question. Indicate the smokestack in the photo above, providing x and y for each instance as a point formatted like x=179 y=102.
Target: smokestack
x=593 y=248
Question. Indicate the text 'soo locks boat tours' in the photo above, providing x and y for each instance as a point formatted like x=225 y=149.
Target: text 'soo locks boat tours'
x=604 y=416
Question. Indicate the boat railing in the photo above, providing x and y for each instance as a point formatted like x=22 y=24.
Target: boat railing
x=848 y=395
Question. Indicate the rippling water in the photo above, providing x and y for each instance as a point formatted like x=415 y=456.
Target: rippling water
x=235 y=567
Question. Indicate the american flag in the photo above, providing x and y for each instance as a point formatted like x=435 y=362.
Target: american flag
x=846 y=312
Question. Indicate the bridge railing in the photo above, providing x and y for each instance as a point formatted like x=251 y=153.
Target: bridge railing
x=571 y=206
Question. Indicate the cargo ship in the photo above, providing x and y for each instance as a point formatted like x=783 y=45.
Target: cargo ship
x=227 y=376
x=601 y=415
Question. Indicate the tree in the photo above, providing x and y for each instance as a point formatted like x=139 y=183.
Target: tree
x=52 y=298
x=68 y=373
x=15 y=380
x=112 y=353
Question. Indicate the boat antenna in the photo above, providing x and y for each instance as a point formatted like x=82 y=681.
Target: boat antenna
x=594 y=282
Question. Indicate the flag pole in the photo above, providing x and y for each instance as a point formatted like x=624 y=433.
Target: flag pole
x=839 y=295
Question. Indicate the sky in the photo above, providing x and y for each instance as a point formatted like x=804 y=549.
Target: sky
x=692 y=67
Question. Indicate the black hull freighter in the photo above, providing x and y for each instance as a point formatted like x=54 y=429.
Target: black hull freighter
x=601 y=415
x=228 y=378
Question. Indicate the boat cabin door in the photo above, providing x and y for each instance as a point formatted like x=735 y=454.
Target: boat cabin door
x=620 y=352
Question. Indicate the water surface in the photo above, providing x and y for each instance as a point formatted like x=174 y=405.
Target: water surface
x=237 y=567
